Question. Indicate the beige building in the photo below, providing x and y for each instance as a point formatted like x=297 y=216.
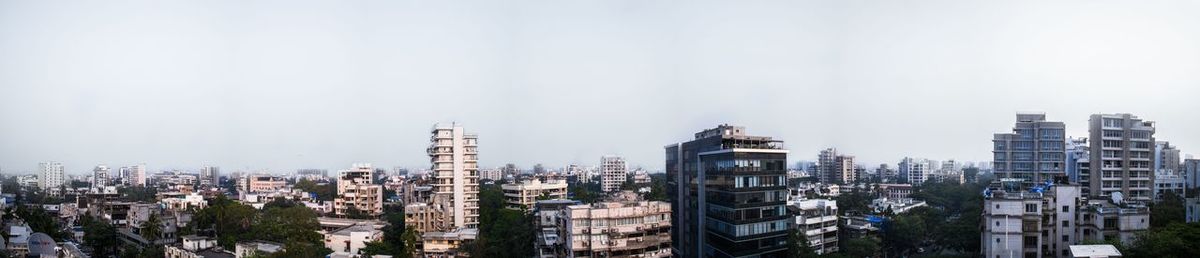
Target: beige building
x=446 y=244
x=264 y=183
x=613 y=173
x=454 y=159
x=524 y=194
x=355 y=189
x=618 y=229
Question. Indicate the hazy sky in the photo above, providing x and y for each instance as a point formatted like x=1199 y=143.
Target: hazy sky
x=282 y=85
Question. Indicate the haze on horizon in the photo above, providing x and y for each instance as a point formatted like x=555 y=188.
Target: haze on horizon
x=282 y=85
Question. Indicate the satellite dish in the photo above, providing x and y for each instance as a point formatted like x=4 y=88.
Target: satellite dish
x=1117 y=197
x=41 y=244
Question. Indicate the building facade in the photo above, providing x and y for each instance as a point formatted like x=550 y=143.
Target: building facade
x=524 y=194
x=1122 y=155
x=51 y=177
x=1033 y=151
x=100 y=178
x=915 y=171
x=742 y=210
x=618 y=229
x=613 y=172
x=834 y=168
x=455 y=165
x=210 y=176
x=818 y=219
x=355 y=189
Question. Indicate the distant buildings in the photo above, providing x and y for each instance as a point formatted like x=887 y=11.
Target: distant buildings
x=612 y=173
x=1122 y=154
x=640 y=177
x=524 y=194
x=895 y=191
x=453 y=154
x=915 y=171
x=99 y=178
x=818 y=220
x=355 y=189
x=349 y=241
x=1033 y=151
x=618 y=229
x=834 y=168
x=210 y=176
x=1166 y=157
x=51 y=178
x=745 y=173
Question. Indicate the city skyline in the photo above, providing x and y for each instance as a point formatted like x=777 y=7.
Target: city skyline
x=307 y=85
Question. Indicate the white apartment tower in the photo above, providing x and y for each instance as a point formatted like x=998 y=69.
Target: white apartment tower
x=454 y=157
x=100 y=178
x=612 y=172
x=915 y=171
x=137 y=174
x=51 y=175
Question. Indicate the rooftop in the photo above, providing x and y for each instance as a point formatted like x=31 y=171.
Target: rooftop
x=1094 y=251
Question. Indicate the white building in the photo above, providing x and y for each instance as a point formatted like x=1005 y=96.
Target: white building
x=818 y=219
x=524 y=194
x=915 y=171
x=51 y=176
x=210 y=176
x=1166 y=182
x=612 y=172
x=455 y=164
x=1035 y=220
x=99 y=178
x=348 y=241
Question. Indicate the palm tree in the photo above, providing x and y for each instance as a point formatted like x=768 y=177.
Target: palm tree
x=151 y=229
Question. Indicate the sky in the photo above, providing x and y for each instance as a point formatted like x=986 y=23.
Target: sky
x=280 y=85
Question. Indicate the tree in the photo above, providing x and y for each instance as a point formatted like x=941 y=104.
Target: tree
x=502 y=232
x=139 y=194
x=410 y=240
x=151 y=229
x=861 y=247
x=798 y=245
x=376 y=248
x=1169 y=210
x=1174 y=240
x=100 y=236
x=324 y=191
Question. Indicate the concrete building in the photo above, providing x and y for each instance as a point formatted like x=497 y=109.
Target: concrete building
x=1044 y=220
x=1166 y=157
x=491 y=174
x=613 y=173
x=264 y=183
x=524 y=194
x=618 y=229
x=748 y=174
x=1033 y=151
x=818 y=219
x=895 y=191
x=446 y=244
x=347 y=242
x=256 y=248
x=915 y=171
x=210 y=176
x=1166 y=183
x=1077 y=155
x=454 y=157
x=1122 y=154
x=641 y=177
x=355 y=189
x=51 y=177
x=550 y=216
x=99 y=178
x=193 y=246
x=137 y=175
x=834 y=168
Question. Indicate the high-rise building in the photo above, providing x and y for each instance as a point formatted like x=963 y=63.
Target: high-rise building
x=1076 y=151
x=1033 y=151
x=1122 y=156
x=1166 y=157
x=100 y=178
x=729 y=194
x=613 y=172
x=915 y=171
x=135 y=174
x=1191 y=173
x=355 y=189
x=51 y=178
x=833 y=168
x=522 y=195
x=454 y=157
x=210 y=176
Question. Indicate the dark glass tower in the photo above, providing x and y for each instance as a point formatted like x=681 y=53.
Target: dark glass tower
x=728 y=194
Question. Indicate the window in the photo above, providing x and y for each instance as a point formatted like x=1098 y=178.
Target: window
x=1066 y=238
x=1066 y=208
x=1066 y=223
x=1031 y=207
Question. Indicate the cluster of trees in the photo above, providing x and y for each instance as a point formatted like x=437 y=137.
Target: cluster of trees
x=586 y=193
x=324 y=191
x=502 y=232
x=293 y=225
x=950 y=221
x=398 y=240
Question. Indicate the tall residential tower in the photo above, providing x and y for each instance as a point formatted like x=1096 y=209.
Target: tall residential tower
x=1122 y=156
x=454 y=159
x=613 y=172
x=1033 y=151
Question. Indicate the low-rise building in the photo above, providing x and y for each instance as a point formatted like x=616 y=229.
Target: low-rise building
x=549 y=216
x=618 y=229
x=348 y=241
x=1044 y=220
x=818 y=219
x=897 y=206
x=895 y=191
x=357 y=190
x=192 y=246
x=524 y=194
x=256 y=248
x=440 y=244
